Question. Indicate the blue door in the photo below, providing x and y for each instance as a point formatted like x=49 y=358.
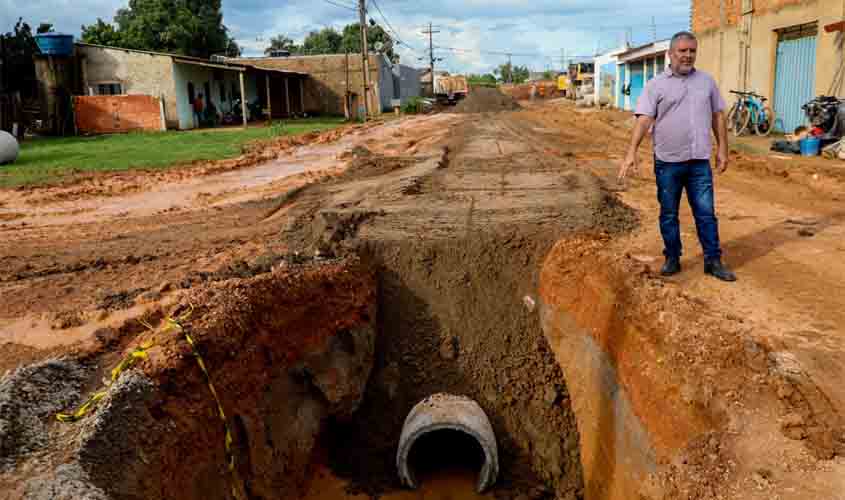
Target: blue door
x=795 y=80
x=637 y=83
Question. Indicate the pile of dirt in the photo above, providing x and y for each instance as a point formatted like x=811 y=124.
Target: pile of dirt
x=486 y=100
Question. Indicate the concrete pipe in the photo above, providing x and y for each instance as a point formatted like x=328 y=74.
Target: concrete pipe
x=448 y=412
x=8 y=148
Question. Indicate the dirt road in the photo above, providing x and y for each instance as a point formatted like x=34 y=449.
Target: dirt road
x=458 y=212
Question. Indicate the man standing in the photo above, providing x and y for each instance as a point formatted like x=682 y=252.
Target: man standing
x=681 y=106
x=198 y=109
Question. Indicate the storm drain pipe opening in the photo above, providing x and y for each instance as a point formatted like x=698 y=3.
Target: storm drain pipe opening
x=462 y=422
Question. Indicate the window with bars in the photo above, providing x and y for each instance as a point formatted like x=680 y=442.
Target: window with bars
x=109 y=88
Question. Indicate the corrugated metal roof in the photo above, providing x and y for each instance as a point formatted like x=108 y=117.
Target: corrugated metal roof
x=208 y=64
x=233 y=65
x=267 y=68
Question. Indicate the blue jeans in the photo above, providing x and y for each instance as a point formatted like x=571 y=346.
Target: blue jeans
x=697 y=178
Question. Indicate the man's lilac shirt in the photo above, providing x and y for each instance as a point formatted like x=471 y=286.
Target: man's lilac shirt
x=682 y=108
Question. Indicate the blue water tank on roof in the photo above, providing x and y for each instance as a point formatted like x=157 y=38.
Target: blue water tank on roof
x=55 y=44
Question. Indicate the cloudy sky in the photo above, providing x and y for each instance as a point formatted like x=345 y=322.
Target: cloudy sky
x=473 y=33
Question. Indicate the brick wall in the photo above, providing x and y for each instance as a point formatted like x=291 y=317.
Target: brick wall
x=326 y=84
x=105 y=114
x=705 y=13
x=139 y=73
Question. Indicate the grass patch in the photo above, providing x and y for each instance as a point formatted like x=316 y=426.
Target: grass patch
x=51 y=160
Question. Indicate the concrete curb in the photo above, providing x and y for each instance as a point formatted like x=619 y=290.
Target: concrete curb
x=446 y=411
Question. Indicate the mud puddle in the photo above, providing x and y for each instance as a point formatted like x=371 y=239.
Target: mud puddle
x=454 y=483
x=224 y=188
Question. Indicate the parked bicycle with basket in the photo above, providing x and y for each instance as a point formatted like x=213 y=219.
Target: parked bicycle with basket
x=750 y=109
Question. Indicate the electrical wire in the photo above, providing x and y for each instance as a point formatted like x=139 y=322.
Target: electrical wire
x=393 y=30
x=342 y=6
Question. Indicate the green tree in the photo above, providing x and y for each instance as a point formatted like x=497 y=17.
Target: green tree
x=188 y=27
x=101 y=33
x=512 y=74
x=488 y=80
x=281 y=42
x=325 y=41
x=377 y=38
x=18 y=68
x=45 y=28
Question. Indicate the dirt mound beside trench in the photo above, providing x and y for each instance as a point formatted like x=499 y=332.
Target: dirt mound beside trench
x=486 y=100
x=285 y=351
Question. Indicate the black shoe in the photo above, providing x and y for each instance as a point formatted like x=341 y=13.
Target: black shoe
x=671 y=267
x=716 y=269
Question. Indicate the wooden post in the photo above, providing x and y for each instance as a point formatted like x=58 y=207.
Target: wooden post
x=243 y=99
x=287 y=94
x=362 y=12
x=302 y=95
x=269 y=105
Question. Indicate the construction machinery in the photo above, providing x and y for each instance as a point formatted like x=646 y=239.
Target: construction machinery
x=580 y=79
x=450 y=89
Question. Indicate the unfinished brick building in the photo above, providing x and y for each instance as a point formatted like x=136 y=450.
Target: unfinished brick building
x=778 y=48
x=333 y=76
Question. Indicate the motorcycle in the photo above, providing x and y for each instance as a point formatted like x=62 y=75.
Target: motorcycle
x=826 y=113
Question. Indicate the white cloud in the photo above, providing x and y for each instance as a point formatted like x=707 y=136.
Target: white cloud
x=539 y=29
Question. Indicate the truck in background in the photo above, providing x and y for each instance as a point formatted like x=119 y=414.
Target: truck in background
x=450 y=89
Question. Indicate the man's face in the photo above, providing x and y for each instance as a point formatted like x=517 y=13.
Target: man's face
x=683 y=56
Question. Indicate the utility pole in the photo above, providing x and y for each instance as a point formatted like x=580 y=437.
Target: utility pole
x=510 y=65
x=365 y=54
x=653 y=30
x=347 y=104
x=430 y=32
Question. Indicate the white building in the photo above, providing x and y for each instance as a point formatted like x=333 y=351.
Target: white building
x=635 y=67
x=605 y=76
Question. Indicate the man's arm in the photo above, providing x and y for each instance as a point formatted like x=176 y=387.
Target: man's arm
x=720 y=129
x=644 y=122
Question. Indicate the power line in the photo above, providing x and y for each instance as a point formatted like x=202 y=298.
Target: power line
x=502 y=53
x=384 y=18
x=392 y=30
x=342 y=6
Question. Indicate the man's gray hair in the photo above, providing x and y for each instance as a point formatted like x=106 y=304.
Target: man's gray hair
x=681 y=35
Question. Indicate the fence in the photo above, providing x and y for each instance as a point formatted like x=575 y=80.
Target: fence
x=107 y=114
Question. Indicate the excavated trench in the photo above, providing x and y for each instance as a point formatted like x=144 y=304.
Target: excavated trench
x=336 y=354
x=317 y=364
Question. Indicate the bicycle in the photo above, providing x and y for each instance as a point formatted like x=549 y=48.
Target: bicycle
x=750 y=108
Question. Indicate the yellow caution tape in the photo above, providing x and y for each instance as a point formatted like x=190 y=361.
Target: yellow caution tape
x=140 y=353
x=126 y=363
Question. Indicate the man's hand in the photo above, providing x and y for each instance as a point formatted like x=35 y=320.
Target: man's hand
x=629 y=165
x=721 y=160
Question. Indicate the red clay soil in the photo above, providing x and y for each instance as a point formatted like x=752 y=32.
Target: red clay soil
x=730 y=382
x=131 y=181
x=285 y=350
x=729 y=390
